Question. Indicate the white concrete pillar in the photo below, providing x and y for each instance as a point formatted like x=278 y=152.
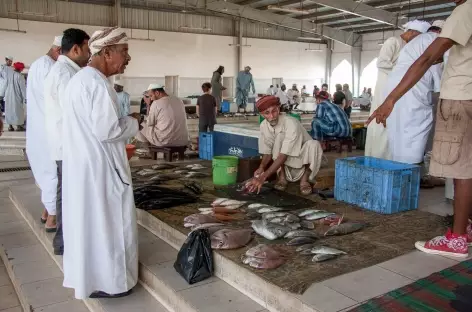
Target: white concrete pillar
x=172 y=85
x=329 y=53
x=356 y=69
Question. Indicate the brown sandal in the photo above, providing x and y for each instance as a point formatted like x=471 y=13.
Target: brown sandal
x=306 y=189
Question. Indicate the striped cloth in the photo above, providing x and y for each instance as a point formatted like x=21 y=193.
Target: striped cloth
x=447 y=291
x=330 y=121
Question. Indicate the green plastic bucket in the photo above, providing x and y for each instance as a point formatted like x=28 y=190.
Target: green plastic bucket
x=225 y=170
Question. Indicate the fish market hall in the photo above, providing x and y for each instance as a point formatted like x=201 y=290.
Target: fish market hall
x=292 y=168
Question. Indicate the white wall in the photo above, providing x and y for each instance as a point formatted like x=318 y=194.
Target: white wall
x=193 y=57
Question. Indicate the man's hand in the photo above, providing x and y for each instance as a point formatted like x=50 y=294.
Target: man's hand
x=255 y=184
x=258 y=172
x=136 y=116
x=381 y=114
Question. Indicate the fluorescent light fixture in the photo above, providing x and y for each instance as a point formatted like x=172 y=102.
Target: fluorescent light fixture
x=314 y=50
x=239 y=45
x=32 y=14
x=288 y=10
x=195 y=28
x=141 y=39
x=13 y=30
x=308 y=38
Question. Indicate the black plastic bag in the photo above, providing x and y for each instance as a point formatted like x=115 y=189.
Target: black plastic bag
x=195 y=259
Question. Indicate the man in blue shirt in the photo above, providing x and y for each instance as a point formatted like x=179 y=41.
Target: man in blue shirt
x=330 y=119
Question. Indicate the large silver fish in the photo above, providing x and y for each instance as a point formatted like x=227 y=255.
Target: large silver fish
x=269 y=230
x=257 y=206
x=301 y=241
x=301 y=233
x=318 y=215
x=323 y=257
x=267 y=263
x=228 y=202
x=269 y=209
x=270 y=215
x=305 y=247
x=307 y=224
x=197 y=218
x=146 y=172
x=231 y=238
x=291 y=218
x=307 y=212
x=327 y=250
x=344 y=228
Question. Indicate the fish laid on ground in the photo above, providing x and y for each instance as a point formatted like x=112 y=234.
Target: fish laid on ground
x=231 y=238
x=263 y=251
x=293 y=226
x=307 y=212
x=269 y=230
x=205 y=226
x=257 y=206
x=146 y=172
x=205 y=209
x=277 y=220
x=318 y=215
x=193 y=174
x=327 y=250
x=200 y=219
x=307 y=224
x=267 y=263
x=252 y=215
x=226 y=202
x=224 y=210
x=305 y=247
x=344 y=228
x=162 y=166
x=197 y=167
x=291 y=218
x=246 y=259
x=301 y=233
x=323 y=257
x=270 y=215
x=301 y=241
x=181 y=171
x=269 y=209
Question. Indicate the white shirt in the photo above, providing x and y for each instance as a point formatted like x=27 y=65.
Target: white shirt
x=283 y=98
x=54 y=86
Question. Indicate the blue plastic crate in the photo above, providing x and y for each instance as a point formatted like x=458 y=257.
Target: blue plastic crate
x=205 y=145
x=225 y=106
x=376 y=184
x=234 y=145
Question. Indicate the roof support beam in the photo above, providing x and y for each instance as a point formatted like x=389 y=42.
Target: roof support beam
x=363 y=10
x=233 y=9
x=400 y=8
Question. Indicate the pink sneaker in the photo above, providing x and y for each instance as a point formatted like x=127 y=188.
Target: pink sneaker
x=448 y=245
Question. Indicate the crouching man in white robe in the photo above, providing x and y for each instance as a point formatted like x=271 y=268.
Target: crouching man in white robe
x=284 y=140
x=99 y=217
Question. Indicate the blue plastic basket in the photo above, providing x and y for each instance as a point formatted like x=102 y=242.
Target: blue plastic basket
x=205 y=145
x=376 y=184
x=225 y=106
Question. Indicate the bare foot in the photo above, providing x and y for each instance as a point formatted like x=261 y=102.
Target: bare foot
x=44 y=216
x=281 y=184
x=50 y=222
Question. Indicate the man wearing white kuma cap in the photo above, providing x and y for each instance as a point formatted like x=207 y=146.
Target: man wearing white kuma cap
x=376 y=141
x=99 y=217
x=43 y=167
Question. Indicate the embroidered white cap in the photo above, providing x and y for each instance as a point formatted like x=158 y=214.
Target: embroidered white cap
x=154 y=86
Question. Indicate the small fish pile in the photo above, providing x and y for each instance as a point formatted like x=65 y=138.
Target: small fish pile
x=269 y=230
x=231 y=238
x=345 y=228
x=263 y=257
x=194 y=174
x=227 y=203
x=313 y=214
x=163 y=167
x=195 y=167
x=146 y=172
x=321 y=253
x=195 y=187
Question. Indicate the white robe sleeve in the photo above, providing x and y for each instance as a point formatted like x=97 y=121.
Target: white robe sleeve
x=387 y=56
x=105 y=123
x=436 y=71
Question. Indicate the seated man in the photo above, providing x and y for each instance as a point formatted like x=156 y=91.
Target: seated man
x=166 y=123
x=330 y=120
x=284 y=140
